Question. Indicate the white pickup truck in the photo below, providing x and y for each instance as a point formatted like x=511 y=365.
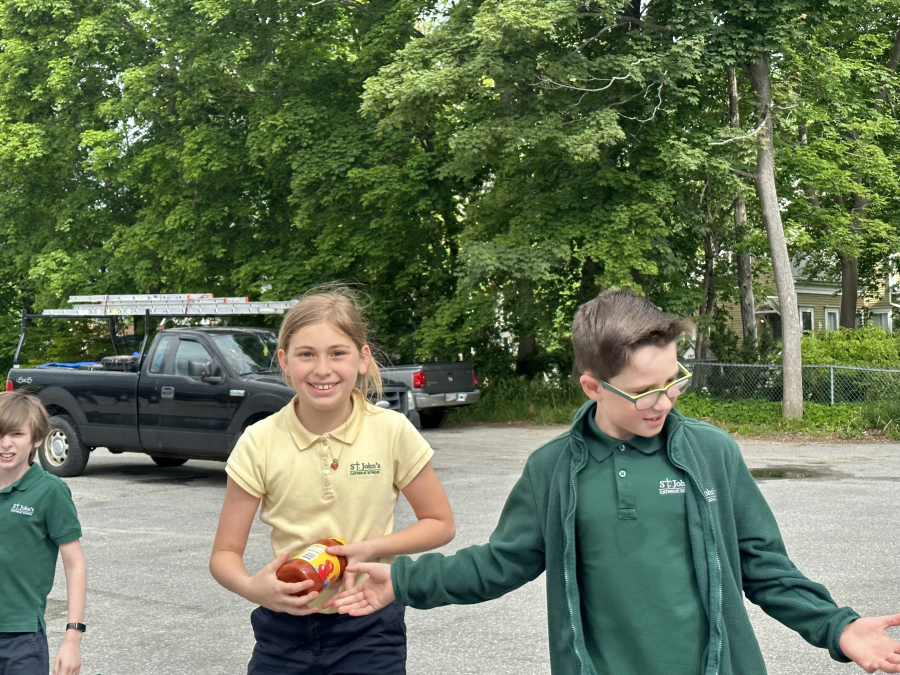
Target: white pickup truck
x=436 y=389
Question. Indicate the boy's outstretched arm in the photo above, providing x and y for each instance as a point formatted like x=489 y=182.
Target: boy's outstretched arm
x=513 y=556
x=867 y=643
x=68 y=658
x=373 y=594
x=434 y=527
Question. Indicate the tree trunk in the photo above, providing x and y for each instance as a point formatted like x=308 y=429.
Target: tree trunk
x=709 y=294
x=849 y=289
x=744 y=263
x=748 y=303
x=527 y=340
x=792 y=401
x=893 y=64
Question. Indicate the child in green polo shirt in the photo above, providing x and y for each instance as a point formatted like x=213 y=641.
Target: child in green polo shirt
x=648 y=524
x=37 y=520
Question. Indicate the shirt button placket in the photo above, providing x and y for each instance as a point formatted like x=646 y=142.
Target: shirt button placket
x=326 y=470
x=623 y=486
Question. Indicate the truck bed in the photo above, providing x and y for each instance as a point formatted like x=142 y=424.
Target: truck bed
x=107 y=400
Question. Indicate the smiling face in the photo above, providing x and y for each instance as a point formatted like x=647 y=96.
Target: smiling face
x=648 y=368
x=323 y=365
x=16 y=447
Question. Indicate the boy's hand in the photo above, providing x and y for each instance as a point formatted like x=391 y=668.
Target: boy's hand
x=357 y=552
x=373 y=594
x=265 y=589
x=866 y=642
x=68 y=658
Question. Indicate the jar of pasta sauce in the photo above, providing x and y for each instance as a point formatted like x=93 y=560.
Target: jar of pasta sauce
x=314 y=563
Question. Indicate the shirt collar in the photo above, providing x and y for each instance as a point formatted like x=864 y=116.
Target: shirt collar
x=346 y=433
x=34 y=472
x=601 y=444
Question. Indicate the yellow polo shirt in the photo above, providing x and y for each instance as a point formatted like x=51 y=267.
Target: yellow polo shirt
x=378 y=451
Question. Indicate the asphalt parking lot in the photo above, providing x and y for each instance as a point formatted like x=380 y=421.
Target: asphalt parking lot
x=153 y=608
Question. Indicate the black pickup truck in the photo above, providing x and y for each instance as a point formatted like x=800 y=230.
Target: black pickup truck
x=189 y=397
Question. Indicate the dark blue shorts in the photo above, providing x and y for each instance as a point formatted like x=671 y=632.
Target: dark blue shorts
x=24 y=653
x=329 y=644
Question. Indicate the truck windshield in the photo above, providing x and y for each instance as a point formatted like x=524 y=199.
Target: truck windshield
x=249 y=352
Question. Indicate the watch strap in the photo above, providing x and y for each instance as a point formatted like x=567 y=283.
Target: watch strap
x=76 y=626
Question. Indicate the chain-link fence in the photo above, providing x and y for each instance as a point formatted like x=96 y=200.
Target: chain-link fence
x=821 y=384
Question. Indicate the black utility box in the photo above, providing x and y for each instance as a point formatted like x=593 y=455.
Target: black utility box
x=126 y=364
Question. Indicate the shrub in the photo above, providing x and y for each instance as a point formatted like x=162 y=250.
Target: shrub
x=865 y=346
x=515 y=399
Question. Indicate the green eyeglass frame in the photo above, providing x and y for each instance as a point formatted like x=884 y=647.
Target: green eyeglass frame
x=649 y=399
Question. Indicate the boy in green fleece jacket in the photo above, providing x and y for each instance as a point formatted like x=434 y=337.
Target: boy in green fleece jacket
x=648 y=524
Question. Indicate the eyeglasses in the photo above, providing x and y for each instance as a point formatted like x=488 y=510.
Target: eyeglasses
x=649 y=399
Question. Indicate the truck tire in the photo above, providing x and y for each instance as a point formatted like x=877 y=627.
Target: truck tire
x=167 y=461
x=433 y=418
x=62 y=453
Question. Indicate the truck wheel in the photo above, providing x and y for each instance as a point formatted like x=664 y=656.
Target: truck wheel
x=433 y=418
x=62 y=453
x=167 y=461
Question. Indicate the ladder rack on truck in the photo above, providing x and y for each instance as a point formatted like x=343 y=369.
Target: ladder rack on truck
x=168 y=305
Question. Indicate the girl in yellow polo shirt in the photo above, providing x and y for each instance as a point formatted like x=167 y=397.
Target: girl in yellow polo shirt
x=329 y=464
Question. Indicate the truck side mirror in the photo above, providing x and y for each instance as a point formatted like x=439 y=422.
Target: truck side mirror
x=197 y=368
x=214 y=376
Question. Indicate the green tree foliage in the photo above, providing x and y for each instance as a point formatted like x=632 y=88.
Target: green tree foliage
x=481 y=166
x=199 y=146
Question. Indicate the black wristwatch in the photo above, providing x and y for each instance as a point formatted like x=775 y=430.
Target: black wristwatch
x=76 y=626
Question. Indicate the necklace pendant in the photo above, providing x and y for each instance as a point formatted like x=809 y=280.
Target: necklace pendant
x=334 y=464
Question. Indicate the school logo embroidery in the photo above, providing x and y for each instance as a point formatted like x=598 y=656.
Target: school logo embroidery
x=364 y=468
x=24 y=510
x=710 y=495
x=671 y=487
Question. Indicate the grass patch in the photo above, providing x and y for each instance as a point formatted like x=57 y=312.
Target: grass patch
x=517 y=400
x=751 y=417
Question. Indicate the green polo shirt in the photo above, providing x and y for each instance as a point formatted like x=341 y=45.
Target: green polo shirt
x=640 y=605
x=37 y=516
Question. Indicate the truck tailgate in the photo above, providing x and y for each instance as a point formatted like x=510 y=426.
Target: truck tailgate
x=448 y=377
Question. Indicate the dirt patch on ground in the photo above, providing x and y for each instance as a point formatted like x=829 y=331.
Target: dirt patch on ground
x=797 y=471
x=867 y=437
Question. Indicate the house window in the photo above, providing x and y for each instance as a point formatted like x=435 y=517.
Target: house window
x=881 y=319
x=832 y=319
x=806 y=319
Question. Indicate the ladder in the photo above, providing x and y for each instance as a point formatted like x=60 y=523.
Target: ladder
x=169 y=305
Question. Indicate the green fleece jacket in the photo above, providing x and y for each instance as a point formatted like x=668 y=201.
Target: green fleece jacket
x=735 y=547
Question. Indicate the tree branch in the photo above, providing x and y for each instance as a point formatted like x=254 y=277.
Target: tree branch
x=655 y=110
x=547 y=83
x=759 y=127
x=625 y=21
x=345 y=3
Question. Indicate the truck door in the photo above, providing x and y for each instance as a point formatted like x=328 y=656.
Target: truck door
x=194 y=410
x=157 y=365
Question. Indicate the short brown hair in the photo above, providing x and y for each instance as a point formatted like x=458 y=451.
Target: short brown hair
x=609 y=328
x=338 y=305
x=19 y=410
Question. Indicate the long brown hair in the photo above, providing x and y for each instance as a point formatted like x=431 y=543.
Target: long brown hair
x=338 y=305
